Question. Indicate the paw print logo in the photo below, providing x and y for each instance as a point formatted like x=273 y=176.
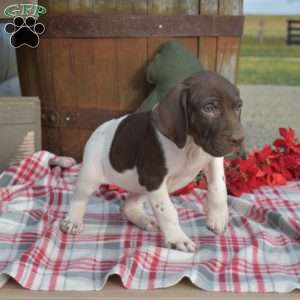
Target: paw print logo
x=24 y=32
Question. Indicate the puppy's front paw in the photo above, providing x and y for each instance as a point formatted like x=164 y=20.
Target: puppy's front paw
x=217 y=218
x=69 y=227
x=180 y=242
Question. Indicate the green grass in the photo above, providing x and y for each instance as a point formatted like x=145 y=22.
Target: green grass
x=269 y=71
x=272 y=47
x=270 y=62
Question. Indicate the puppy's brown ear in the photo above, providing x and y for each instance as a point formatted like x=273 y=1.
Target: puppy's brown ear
x=171 y=115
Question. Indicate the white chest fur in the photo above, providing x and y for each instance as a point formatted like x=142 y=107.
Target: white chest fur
x=183 y=164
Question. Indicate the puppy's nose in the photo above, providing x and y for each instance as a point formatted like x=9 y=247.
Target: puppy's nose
x=236 y=139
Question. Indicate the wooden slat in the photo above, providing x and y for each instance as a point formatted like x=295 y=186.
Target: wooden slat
x=27 y=71
x=131 y=80
x=172 y=7
x=36 y=74
x=106 y=68
x=121 y=69
x=131 y=56
x=51 y=137
x=64 y=73
x=208 y=45
x=56 y=7
x=85 y=72
x=231 y=7
x=229 y=47
x=91 y=7
x=129 y=26
x=61 y=81
x=227 y=57
x=130 y=6
x=73 y=82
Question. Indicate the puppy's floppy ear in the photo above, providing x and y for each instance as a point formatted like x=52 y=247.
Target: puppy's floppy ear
x=171 y=115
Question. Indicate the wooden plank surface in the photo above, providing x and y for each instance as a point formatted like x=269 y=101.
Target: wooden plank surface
x=228 y=48
x=27 y=71
x=36 y=74
x=104 y=73
x=138 y=26
x=172 y=7
x=208 y=45
x=93 y=7
x=131 y=56
x=114 y=290
x=42 y=66
x=127 y=61
x=131 y=79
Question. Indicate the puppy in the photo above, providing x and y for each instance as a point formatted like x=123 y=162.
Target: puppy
x=152 y=154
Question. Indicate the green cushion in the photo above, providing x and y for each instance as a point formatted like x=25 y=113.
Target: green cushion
x=172 y=63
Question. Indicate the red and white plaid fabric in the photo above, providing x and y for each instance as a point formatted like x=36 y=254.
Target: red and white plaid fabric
x=259 y=252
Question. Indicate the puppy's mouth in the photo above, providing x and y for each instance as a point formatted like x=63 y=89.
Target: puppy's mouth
x=209 y=147
x=224 y=151
x=220 y=150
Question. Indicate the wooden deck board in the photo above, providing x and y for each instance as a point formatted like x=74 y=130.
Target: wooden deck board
x=114 y=290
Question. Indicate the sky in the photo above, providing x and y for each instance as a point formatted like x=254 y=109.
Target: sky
x=272 y=7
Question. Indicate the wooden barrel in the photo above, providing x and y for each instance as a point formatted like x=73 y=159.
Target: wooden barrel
x=90 y=63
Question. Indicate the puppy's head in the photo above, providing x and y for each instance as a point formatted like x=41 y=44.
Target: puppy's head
x=207 y=107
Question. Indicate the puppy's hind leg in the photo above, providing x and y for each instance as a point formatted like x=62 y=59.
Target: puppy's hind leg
x=135 y=212
x=86 y=184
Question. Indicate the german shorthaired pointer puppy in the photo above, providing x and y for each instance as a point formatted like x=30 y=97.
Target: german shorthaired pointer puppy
x=152 y=154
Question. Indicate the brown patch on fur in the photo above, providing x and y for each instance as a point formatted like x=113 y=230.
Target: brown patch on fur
x=171 y=116
x=136 y=144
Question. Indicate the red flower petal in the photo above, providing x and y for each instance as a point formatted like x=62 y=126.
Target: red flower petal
x=287 y=133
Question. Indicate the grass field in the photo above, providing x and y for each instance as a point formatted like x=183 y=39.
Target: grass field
x=269 y=61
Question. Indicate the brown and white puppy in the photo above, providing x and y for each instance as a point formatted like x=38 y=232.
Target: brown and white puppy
x=152 y=154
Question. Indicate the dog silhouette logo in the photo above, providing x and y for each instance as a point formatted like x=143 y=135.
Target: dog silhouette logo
x=24 y=31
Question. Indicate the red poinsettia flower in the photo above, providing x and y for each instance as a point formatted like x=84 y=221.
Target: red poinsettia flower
x=288 y=143
x=275 y=179
x=268 y=166
x=287 y=133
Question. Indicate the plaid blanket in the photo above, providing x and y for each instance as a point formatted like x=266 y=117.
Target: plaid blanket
x=260 y=252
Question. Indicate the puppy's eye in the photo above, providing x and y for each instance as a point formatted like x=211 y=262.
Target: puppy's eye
x=238 y=106
x=209 y=109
